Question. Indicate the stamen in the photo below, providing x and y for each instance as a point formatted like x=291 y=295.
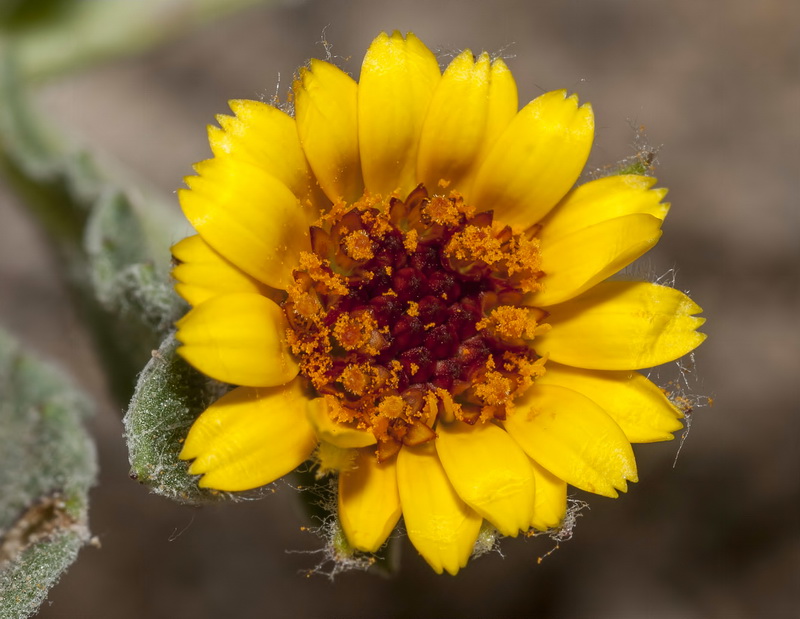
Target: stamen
x=358 y=245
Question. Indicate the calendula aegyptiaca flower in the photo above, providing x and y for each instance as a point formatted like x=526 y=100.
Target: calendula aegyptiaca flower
x=404 y=283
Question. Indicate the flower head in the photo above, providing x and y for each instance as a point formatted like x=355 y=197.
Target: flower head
x=403 y=280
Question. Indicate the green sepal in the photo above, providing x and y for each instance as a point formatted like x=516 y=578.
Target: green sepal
x=169 y=396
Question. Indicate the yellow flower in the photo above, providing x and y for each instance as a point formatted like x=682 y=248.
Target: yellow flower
x=402 y=277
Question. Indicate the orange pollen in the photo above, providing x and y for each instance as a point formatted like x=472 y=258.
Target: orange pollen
x=392 y=407
x=495 y=390
x=306 y=305
x=355 y=378
x=410 y=241
x=354 y=331
x=358 y=245
x=316 y=269
x=442 y=211
x=510 y=322
x=475 y=243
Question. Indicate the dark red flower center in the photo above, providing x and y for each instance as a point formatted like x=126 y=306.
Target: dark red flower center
x=409 y=311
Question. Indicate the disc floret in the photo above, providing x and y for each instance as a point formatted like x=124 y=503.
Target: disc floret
x=407 y=313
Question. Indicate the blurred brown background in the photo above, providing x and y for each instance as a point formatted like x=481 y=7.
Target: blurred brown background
x=717 y=536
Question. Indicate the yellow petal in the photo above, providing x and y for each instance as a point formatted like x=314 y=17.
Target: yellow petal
x=472 y=105
x=250 y=437
x=329 y=458
x=551 y=499
x=638 y=406
x=441 y=526
x=249 y=217
x=265 y=137
x=398 y=78
x=369 y=502
x=335 y=433
x=202 y=273
x=536 y=160
x=503 y=104
x=622 y=326
x=574 y=439
x=238 y=339
x=489 y=472
x=574 y=263
x=326 y=104
x=602 y=199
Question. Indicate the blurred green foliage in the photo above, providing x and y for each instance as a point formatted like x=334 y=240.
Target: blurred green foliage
x=55 y=36
x=24 y=14
x=113 y=251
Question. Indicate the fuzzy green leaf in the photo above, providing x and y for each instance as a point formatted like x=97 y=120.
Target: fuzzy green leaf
x=47 y=465
x=127 y=279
